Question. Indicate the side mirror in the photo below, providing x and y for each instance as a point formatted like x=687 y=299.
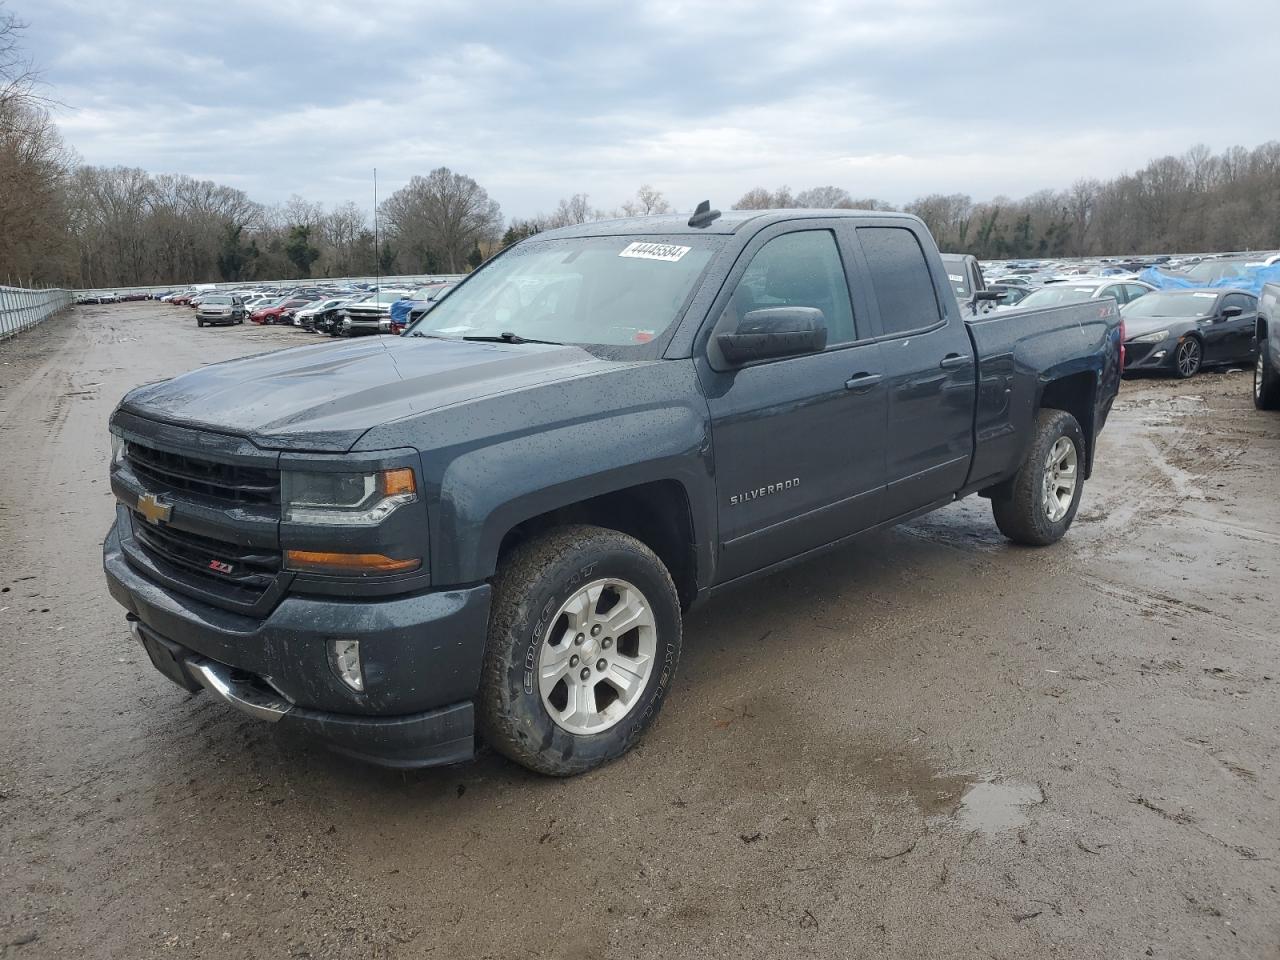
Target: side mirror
x=774 y=332
x=1229 y=313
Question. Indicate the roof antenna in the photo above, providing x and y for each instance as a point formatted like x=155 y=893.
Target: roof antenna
x=704 y=216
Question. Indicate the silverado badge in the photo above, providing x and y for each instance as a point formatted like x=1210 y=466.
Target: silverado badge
x=153 y=510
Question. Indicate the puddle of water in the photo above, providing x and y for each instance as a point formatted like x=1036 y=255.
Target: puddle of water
x=989 y=806
x=981 y=802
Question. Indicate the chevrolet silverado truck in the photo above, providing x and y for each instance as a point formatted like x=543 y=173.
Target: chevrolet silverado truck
x=488 y=528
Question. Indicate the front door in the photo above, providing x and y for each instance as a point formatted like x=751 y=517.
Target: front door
x=799 y=441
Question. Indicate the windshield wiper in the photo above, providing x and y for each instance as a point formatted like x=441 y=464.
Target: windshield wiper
x=508 y=337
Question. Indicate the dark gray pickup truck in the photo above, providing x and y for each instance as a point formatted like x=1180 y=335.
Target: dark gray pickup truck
x=491 y=525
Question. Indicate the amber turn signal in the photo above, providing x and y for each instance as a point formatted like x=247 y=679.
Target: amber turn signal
x=349 y=564
x=398 y=481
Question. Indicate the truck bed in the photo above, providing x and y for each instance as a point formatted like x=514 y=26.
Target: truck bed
x=1018 y=352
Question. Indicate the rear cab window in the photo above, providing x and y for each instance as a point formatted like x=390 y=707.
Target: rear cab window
x=900 y=279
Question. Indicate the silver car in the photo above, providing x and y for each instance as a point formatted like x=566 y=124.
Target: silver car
x=220 y=309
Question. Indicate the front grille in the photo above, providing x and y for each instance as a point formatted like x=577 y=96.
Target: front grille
x=163 y=470
x=249 y=569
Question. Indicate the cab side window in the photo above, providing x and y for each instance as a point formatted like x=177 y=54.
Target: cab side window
x=900 y=278
x=800 y=269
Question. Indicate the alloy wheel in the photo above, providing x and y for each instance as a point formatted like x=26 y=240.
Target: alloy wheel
x=1060 y=478
x=1189 y=357
x=597 y=656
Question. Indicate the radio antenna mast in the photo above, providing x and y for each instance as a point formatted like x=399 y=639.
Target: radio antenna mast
x=377 y=250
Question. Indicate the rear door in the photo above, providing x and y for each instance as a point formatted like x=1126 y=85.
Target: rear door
x=929 y=368
x=799 y=441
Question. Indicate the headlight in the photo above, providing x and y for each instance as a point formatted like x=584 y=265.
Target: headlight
x=118 y=448
x=1152 y=337
x=346 y=499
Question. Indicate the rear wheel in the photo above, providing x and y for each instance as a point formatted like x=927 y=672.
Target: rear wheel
x=1041 y=500
x=584 y=638
x=1266 y=383
x=1188 y=357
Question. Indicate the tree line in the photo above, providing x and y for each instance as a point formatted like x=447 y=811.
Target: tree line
x=1195 y=203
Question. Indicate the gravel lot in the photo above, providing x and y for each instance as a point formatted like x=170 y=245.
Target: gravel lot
x=932 y=744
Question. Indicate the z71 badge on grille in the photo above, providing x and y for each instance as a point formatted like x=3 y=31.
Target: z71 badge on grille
x=221 y=567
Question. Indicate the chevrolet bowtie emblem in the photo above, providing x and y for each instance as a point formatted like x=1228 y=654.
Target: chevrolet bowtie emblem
x=153 y=510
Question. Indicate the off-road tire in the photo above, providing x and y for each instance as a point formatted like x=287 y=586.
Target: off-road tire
x=1019 y=509
x=1266 y=382
x=532 y=582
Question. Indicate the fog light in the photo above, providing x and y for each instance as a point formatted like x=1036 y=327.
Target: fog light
x=344 y=657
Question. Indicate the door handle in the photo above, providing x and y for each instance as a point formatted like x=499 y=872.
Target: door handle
x=862 y=382
x=953 y=360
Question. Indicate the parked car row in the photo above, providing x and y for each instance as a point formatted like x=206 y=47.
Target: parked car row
x=1204 y=321
x=335 y=311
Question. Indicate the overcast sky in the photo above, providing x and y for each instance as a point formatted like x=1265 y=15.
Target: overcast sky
x=703 y=100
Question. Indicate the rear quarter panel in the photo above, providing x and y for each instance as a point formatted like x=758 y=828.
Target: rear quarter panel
x=1019 y=353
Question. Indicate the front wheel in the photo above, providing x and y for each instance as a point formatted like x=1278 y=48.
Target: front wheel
x=1041 y=500
x=1266 y=383
x=1188 y=358
x=584 y=639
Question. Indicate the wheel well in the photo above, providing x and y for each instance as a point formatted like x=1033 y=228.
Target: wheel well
x=657 y=514
x=1075 y=395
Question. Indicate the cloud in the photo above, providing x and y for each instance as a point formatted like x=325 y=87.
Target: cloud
x=702 y=99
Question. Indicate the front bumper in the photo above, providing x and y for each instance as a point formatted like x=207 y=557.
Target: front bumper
x=1151 y=356
x=421 y=655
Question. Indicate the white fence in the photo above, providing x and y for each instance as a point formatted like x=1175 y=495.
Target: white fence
x=20 y=309
x=408 y=280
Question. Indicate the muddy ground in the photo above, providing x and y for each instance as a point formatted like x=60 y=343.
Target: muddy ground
x=932 y=744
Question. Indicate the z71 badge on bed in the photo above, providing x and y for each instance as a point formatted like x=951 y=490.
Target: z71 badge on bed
x=654 y=251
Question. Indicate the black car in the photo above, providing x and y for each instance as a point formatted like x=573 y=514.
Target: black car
x=1180 y=331
x=1266 y=371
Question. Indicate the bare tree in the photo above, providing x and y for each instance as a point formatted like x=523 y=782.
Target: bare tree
x=758 y=198
x=825 y=198
x=445 y=215
x=647 y=202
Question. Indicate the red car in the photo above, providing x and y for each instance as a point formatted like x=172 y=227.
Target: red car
x=278 y=312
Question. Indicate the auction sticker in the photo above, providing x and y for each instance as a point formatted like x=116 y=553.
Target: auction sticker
x=1208 y=296
x=654 y=251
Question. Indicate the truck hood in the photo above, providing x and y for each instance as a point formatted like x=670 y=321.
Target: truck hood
x=324 y=397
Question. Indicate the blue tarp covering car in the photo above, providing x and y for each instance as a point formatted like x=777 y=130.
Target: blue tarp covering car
x=1250 y=279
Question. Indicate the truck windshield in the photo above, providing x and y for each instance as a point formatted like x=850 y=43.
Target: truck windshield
x=958 y=276
x=618 y=293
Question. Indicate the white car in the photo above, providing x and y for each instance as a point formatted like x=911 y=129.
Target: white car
x=1078 y=289
x=305 y=316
